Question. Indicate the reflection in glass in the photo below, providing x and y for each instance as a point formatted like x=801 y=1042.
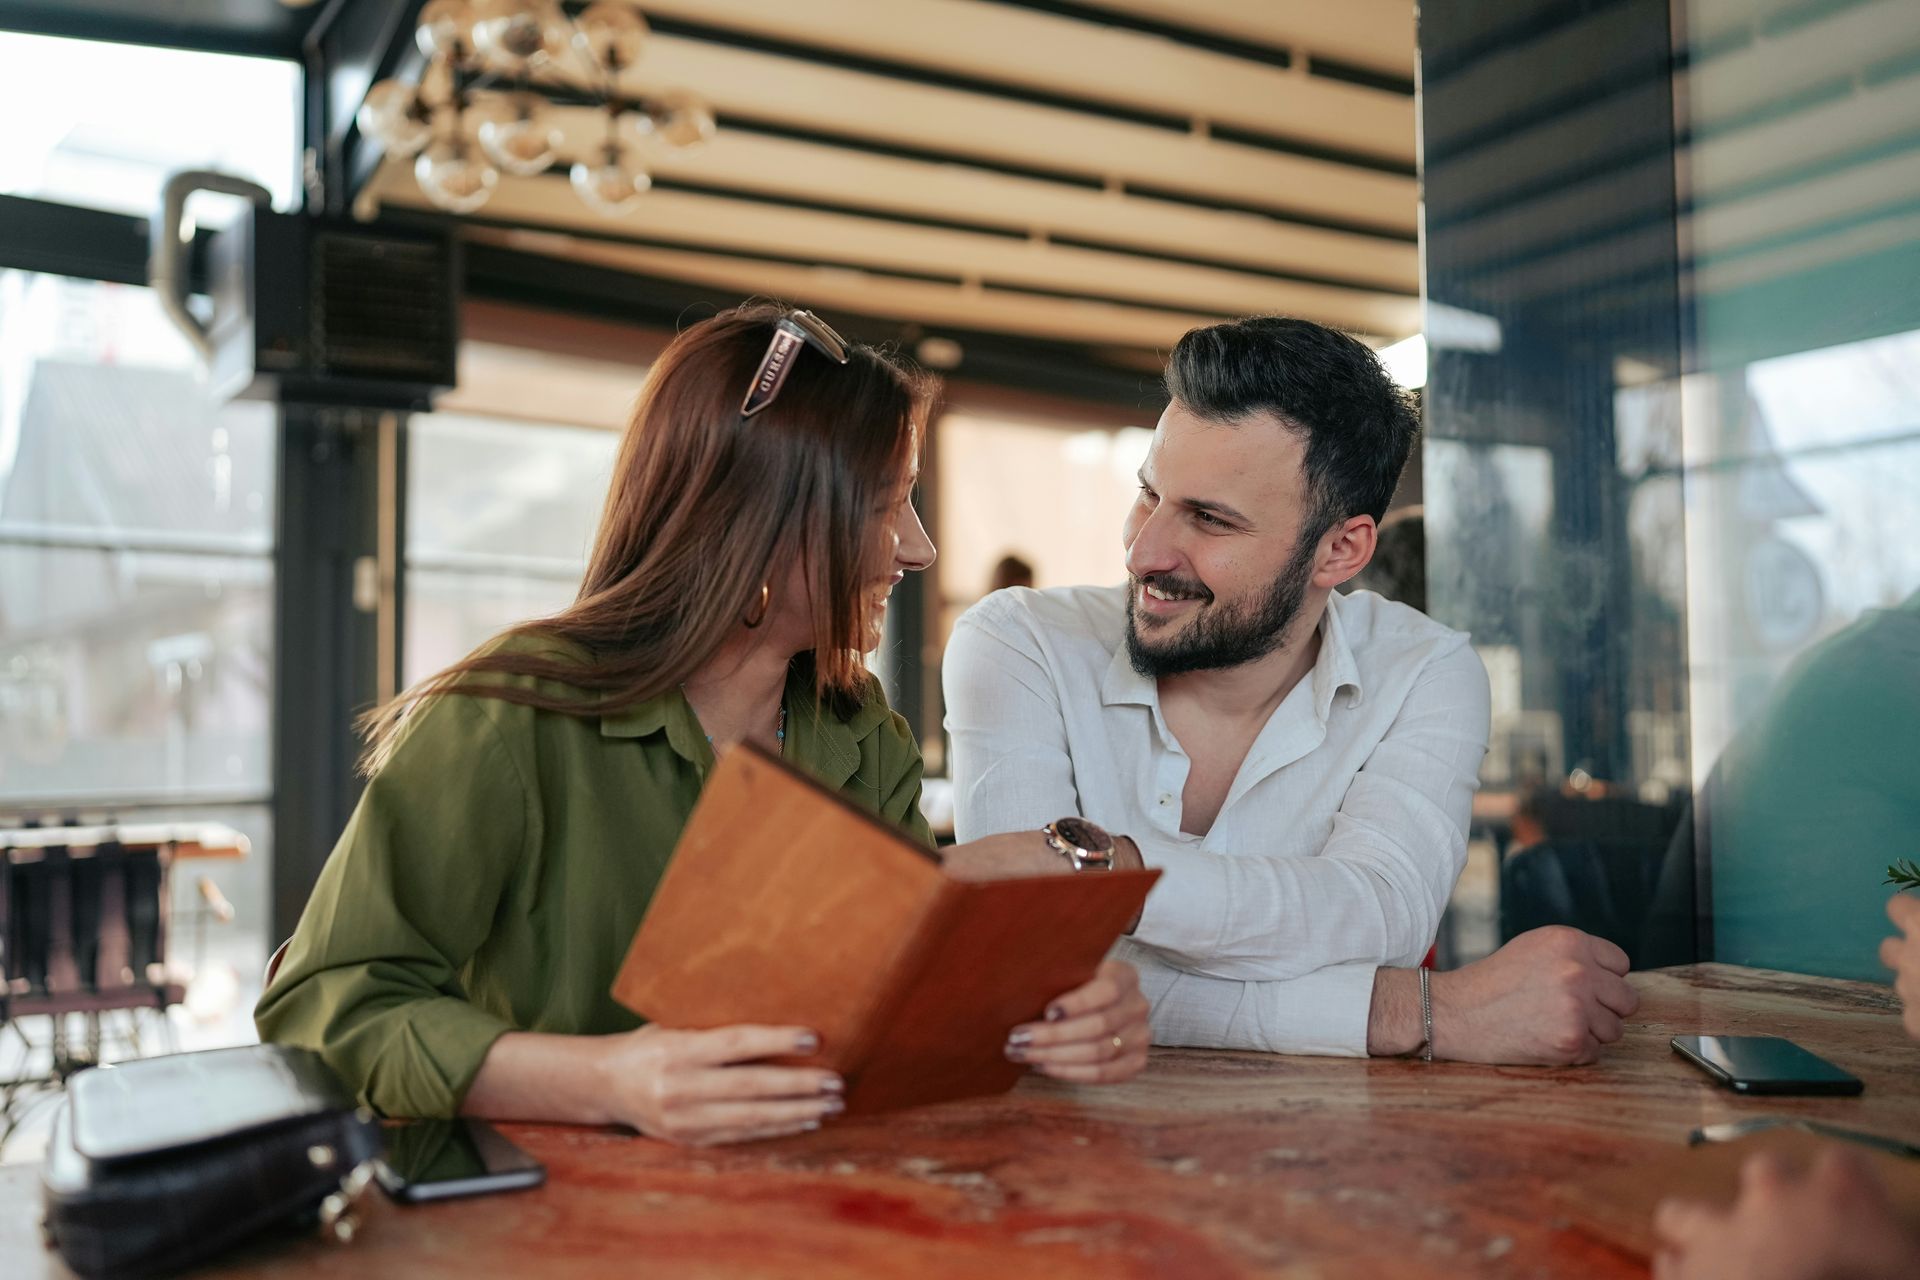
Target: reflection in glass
x=1698 y=240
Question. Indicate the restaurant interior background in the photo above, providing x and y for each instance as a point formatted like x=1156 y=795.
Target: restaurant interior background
x=1658 y=266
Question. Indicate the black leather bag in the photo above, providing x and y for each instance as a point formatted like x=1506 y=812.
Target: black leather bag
x=158 y=1164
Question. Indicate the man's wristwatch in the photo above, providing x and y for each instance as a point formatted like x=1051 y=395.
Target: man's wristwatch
x=1085 y=844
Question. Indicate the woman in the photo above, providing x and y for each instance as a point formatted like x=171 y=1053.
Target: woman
x=457 y=952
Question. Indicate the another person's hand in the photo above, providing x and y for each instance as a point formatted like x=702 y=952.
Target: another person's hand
x=1550 y=997
x=701 y=1088
x=1902 y=955
x=1834 y=1221
x=1096 y=1034
x=1015 y=853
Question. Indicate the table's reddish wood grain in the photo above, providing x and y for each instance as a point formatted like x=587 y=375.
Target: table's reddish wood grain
x=1210 y=1164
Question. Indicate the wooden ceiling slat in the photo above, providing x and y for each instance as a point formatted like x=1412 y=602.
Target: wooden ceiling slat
x=762 y=86
x=703 y=221
x=1062 y=55
x=773 y=167
x=825 y=289
x=1367 y=33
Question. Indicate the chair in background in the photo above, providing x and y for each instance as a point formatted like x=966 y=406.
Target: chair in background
x=83 y=932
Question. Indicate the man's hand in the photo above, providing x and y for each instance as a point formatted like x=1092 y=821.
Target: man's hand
x=1902 y=955
x=1833 y=1221
x=1549 y=998
x=1096 y=1034
x=1017 y=853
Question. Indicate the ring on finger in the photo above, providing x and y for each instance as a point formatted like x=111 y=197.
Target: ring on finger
x=1119 y=1046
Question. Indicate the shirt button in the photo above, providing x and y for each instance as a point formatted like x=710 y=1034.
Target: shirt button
x=1166 y=800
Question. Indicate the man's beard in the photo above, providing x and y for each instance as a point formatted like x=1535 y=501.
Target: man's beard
x=1221 y=635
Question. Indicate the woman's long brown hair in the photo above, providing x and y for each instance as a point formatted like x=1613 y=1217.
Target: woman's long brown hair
x=705 y=506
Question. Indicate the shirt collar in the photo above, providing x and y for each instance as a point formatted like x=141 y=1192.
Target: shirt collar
x=826 y=744
x=1334 y=669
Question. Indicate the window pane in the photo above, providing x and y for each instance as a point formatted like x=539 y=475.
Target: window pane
x=133 y=673
x=1006 y=488
x=451 y=612
x=519 y=491
x=1802 y=476
x=108 y=435
x=102 y=125
x=500 y=517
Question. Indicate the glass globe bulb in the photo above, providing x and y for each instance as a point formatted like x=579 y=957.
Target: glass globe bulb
x=683 y=119
x=524 y=142
x=613 y=186
x=445 y=29
x=613 y=34
x=635 y=126
x=521 y=34
x=455 y=176
x=390 y=114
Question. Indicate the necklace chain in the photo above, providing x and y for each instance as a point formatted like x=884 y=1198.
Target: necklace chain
x=779 y=727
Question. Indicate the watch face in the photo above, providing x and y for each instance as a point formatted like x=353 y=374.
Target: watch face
x=1085 y=835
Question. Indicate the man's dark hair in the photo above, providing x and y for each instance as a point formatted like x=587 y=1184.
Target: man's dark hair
x=1359 y=425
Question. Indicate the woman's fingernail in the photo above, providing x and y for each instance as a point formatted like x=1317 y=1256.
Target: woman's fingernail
x=834 y=1106
x=833 y=1084
x=1016 y=1054
x=809 y=1126
x=1020 y=1039
x=1055 y=1013
x=807 y=1042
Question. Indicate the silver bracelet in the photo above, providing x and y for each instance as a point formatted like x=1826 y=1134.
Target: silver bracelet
x=1426 y=1016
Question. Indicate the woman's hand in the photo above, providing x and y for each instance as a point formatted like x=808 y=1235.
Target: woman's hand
x=702 y=1088
x=1096 y=1034
x=1833 y=1220
x=1902 y=955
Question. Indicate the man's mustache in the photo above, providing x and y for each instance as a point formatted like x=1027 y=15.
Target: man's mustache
x=1171 y=586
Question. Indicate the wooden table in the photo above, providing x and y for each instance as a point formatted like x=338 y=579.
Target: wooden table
x=1210 y=1164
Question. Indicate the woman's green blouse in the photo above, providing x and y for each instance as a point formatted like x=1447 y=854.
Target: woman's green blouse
x=497 y=866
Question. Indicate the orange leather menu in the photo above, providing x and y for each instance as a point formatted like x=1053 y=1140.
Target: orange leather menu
x=786 y=904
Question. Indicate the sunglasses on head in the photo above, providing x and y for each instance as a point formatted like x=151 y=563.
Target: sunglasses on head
x=791 y=332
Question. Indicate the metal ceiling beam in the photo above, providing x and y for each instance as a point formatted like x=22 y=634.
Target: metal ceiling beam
x=351 y=46
x=266 y=30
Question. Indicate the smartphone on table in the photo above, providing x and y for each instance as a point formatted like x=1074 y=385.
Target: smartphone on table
x=440 y=1159
x=1764 y=1064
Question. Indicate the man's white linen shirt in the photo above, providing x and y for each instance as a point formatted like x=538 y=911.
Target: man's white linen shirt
x=1340 y=838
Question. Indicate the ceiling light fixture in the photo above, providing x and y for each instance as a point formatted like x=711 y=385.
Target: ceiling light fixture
x=479 y=109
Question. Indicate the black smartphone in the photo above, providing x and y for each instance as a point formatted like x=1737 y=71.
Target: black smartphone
x=440 y=1159
x=1764 y=1064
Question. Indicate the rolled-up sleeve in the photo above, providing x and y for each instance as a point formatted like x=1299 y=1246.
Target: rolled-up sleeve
x=1374 y=893
x=1323 y=1012
x=371 y=977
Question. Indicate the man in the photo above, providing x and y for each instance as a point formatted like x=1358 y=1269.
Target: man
x=1298 y=764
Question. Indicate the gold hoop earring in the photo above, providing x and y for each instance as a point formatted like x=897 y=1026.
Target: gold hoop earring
x=766 y=602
